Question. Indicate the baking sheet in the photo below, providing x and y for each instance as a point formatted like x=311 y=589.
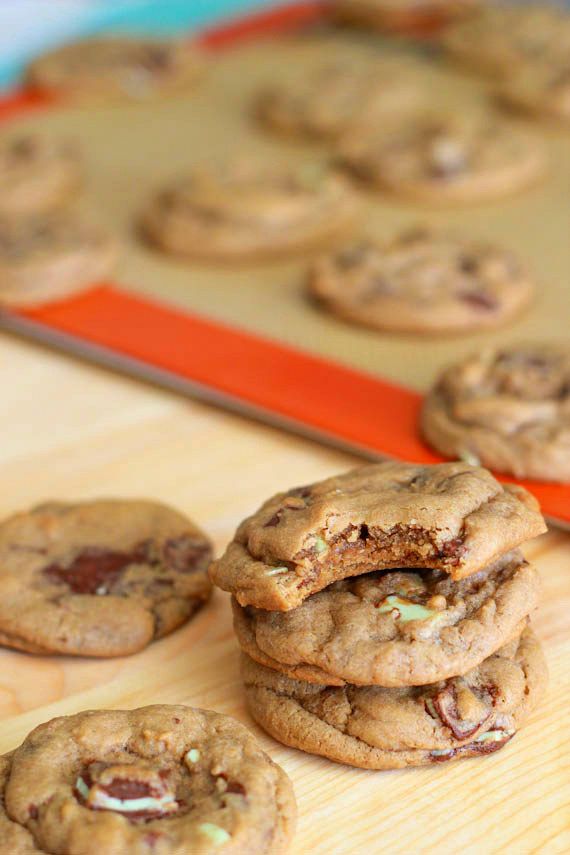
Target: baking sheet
x=131 y=151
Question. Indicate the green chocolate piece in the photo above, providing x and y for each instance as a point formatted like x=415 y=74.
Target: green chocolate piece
x=217 y=835
x=407 y=611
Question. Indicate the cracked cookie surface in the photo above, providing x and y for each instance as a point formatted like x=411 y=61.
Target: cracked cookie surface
x=99 y=578
x=509 y=408
x=116 y=68
x=37 y=175
x=337 y=96
x=50 y=257
x=394 y=628
x=160 y=780
x=379 y=728
x=444 y=159
x=245 y=211
x=422 y=281
x=451 y=517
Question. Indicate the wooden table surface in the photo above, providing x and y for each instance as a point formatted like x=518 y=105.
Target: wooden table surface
x=70 y=431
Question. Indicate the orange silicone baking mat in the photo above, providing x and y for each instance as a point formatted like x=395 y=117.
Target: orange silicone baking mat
x=248 y=338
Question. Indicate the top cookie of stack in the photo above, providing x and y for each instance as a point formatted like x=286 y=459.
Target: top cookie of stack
x=453 y=517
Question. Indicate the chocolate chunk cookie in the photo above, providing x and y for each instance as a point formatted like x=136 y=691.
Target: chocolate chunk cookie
x=50 y=257
x=451 y=517
x=245 y=211
x=37 y=175
x=501 y=37
x=116 y=68
x=14 y=839
x=444 y=160
x=165 y=780
x=540 y=89
x=390 y=15
x=377 y=728
x=508 y=408
x=100 y=578
x=337 y=96
x=394 y=628
x=422 y=282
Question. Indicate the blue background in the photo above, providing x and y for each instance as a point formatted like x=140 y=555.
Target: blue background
x=29 y=26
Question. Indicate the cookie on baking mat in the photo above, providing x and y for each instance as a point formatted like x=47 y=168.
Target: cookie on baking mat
x=501 y=37
x=451 y=517
x=244 y=211
x=394 y=628
x=422 y=281
x=37 y=175
x=328 y=101
x=160 y=779
x=50 y=257
x=508 y=408
x=116 y=68
x=540 y=89
x=380 y=728
x=444 y=160
x=99 y=578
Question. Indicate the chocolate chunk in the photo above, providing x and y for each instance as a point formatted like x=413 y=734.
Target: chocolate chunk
x=126 y=789
x=445 y=703
x=94 y=569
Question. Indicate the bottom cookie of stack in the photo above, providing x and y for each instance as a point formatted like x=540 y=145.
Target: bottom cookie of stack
x=390 y=728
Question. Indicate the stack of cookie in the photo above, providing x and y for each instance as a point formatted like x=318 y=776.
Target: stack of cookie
x=383 y=614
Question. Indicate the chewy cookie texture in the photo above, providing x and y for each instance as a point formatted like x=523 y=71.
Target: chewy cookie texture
x=382 y=728
x=451 y=517
x=168 y=780
x=395 y=627
x=383 y=614
x=422 y=281
x=245 y=211
x=99 y=578
x=508 y=408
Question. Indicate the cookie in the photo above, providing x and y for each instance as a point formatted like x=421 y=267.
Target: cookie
x=396 y=15
x=540 y=90
x=99 y=578
x=444 y=160
x=14 y=839
x=394 y=628
x=378 y=728
x=501 y=37
x=116 y=68
x=37 y=175
x=422 y=282
x=161 y=779
x=50 y=257
x=245 y=211
x=334 y=97
x=508 y=408
x=451 y=517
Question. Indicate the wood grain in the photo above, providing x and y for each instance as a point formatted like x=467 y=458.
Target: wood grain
x=72 y=432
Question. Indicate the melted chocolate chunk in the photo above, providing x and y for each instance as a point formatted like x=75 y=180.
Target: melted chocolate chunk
x=445 y=702
x=94 y=569
x=126 y=789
